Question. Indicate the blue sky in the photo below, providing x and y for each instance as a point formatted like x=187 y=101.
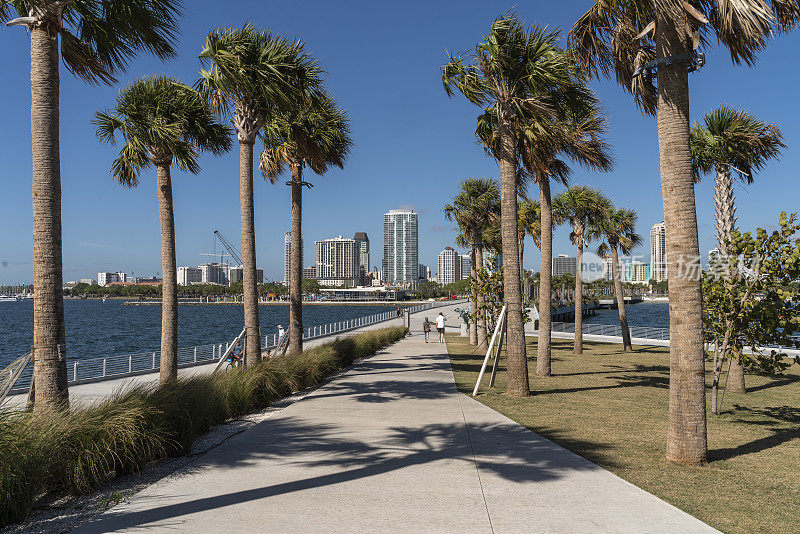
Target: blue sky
x=413 y=145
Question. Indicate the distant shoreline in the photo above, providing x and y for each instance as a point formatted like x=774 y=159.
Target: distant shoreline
x=400 y=303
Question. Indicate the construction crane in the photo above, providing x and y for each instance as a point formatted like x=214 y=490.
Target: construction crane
x=227 y=244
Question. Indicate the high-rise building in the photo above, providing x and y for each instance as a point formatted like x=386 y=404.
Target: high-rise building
x=608 y=268
x=338 y=262
x=362 y=243
x=448 y=266
x=103 y=279
x=213 y=273
x=658 y=251
x=636 y=272
x=287 y=255
x=310 y=272
x=400 y=247
x=189 y=275
x=563 y=264
x=423 y=272
x=466 y=266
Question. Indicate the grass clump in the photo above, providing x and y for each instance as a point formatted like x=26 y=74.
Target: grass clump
x=78 y=450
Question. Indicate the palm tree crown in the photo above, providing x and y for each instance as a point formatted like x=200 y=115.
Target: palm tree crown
x=620 y=36
x=314 y=131
x=582 y=207
x=734 y=139
x=618 y=229
x=475 y=207
x=99 y=37
x=160 y=119
x=530 y=220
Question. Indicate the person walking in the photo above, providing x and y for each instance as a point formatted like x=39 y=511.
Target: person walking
x=440 y=322
x=426 y=328
x=281 y=333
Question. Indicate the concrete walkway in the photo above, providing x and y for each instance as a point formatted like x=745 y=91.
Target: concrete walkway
x=391 y=446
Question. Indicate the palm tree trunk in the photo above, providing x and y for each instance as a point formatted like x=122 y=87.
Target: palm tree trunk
x=295 y=264
x=252 y=323
x=518 y=384
x=623 y=316
x=724 y=208
x=481 y=300
x=473 y=321
x=687 y=441
x=545 y=278
x=49 y=338
x=169 y=288
x=736 y=378
x=577 y=347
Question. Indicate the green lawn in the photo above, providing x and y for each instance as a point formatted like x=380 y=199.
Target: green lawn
x=611 y=408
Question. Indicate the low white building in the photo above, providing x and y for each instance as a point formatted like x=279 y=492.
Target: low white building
x=189 y=275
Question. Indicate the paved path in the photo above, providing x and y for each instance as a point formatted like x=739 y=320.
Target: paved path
x=391 y=446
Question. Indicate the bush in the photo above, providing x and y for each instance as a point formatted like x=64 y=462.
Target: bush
x=76 y=451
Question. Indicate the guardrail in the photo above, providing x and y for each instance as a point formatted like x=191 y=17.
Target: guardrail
x=112 y=367
x=644 y=332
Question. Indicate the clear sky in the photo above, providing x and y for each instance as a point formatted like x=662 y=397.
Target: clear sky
x=412 y=144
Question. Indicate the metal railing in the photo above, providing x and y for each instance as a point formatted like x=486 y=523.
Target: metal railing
x=642 y=332
x=112 y=367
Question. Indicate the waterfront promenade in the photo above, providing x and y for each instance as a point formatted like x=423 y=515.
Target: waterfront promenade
x=392 y=446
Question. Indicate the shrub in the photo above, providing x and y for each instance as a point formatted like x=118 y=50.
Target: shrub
x=76 y=451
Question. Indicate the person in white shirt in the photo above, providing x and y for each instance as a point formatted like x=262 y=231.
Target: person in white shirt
x=281 y=333
x=440 y=320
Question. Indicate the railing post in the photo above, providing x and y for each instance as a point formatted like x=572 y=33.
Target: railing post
x=154 y=360
x=195 y=355
x=75 y=372
x=130 y=363
x=104 y=366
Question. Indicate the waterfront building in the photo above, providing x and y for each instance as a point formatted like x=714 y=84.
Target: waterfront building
x=636 y=272
x=658 y=251
x=563 y=264
x=189 y=275
x=466 y=267
x=88 y=281
x=338 y=262
x=310 y=272
x=213 y=273
x=448 y=266
x=362 y=244
x=287 y=255
x=608 y=268
x=423 y=272
x=400 y=247
x=104 y=279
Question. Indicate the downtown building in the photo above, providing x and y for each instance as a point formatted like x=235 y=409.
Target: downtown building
x=338 y=262
x=189 y=275
x=658 y=252
x=636 y=272
x=400 y=247
x=287 y=255
x=448 y=266
x=466 y=267
x=362 y=243
x=104 y=278
x=563 y=264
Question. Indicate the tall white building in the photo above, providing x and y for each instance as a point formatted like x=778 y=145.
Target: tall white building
x=608 y=268
x=287 y=255
x=213 y=273
x=400 y=247
x=189 y=275
x=658 y=252
x=103 y=279
x=563 y=264
x=466 y=266
x=448 y=266
x=338 y=261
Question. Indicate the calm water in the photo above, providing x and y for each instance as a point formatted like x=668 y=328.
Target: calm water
x=654 y=314
x=96 y=328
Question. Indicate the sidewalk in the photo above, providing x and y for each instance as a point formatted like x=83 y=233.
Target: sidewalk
x=391 y=446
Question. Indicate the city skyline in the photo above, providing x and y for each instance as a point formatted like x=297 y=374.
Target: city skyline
x=107 y=227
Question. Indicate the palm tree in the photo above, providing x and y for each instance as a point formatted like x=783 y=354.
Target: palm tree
x=626 y=37
x=583 y=208
x=732 y=140
x=475 y=208
x=251 y=74
x=313 y=131
x=162 y=121
x=618 y=230
x=510 y=74
x=95 y=39
x=528 y=223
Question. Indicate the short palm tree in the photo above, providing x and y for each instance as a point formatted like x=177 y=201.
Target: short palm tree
x=476 y=206
x=617 y=229
x=251 y=73
x=732 y=142
x=314 y=132
x=95 y=39
x=162 y=122
x=528 y=224
x=582 y=207
x=510 y=75
x=625 y=37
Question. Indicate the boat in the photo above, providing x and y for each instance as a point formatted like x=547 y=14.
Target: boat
x=6 y=298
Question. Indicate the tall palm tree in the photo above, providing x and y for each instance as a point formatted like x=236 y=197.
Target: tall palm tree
x=732 y=142
x=617 y=229
x=624 y=36
x=95 y=39
x=162 y=121
x=528 y=224
x=583 y=208
x=476 y=206
x=312 y=131
x=510 y=75
x=252 y=73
